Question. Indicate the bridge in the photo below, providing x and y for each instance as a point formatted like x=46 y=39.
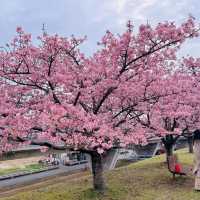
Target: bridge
x=132 y=152
x=137 y=152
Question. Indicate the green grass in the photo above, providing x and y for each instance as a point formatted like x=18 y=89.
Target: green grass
x=27 y=168
x=144 y=180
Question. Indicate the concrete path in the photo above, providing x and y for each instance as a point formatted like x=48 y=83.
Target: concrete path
x=37 y=177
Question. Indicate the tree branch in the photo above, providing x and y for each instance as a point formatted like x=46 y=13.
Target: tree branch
x=105 y=96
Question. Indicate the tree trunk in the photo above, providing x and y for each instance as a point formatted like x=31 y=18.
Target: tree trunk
x=169 y=142
x=169 y=149
x=97 y=171
x=190 y=144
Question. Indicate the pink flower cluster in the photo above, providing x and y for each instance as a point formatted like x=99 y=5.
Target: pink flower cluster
x=130 y=90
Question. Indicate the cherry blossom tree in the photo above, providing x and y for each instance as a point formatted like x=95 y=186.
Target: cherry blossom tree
x=172 y=114
x=175 y=112
x=54 y=96
x=191 y=66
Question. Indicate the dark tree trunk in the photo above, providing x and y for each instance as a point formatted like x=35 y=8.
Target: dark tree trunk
x=169 y=149
x=169 y=142
x=190 y=144
x=97 y=171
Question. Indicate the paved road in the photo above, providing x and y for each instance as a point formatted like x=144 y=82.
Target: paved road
x=37 y=177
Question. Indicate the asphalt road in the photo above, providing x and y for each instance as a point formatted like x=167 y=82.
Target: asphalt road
x=37 y=177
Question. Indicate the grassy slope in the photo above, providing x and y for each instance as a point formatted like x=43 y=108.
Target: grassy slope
x=145 y=180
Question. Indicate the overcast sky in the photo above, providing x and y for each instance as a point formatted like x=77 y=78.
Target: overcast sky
x=92 y=17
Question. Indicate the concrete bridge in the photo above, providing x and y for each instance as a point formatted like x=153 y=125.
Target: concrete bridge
x=132 y=152
x=137 y=152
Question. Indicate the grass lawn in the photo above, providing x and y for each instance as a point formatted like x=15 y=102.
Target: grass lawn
x=144 y=180
x=27 y=168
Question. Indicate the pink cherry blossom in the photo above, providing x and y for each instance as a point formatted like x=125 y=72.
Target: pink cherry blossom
x=127 y=92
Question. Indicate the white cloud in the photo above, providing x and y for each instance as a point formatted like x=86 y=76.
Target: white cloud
x=89 y=17
x=142 y=10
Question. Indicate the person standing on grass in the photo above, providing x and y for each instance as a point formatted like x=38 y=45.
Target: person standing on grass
x=196 y=171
